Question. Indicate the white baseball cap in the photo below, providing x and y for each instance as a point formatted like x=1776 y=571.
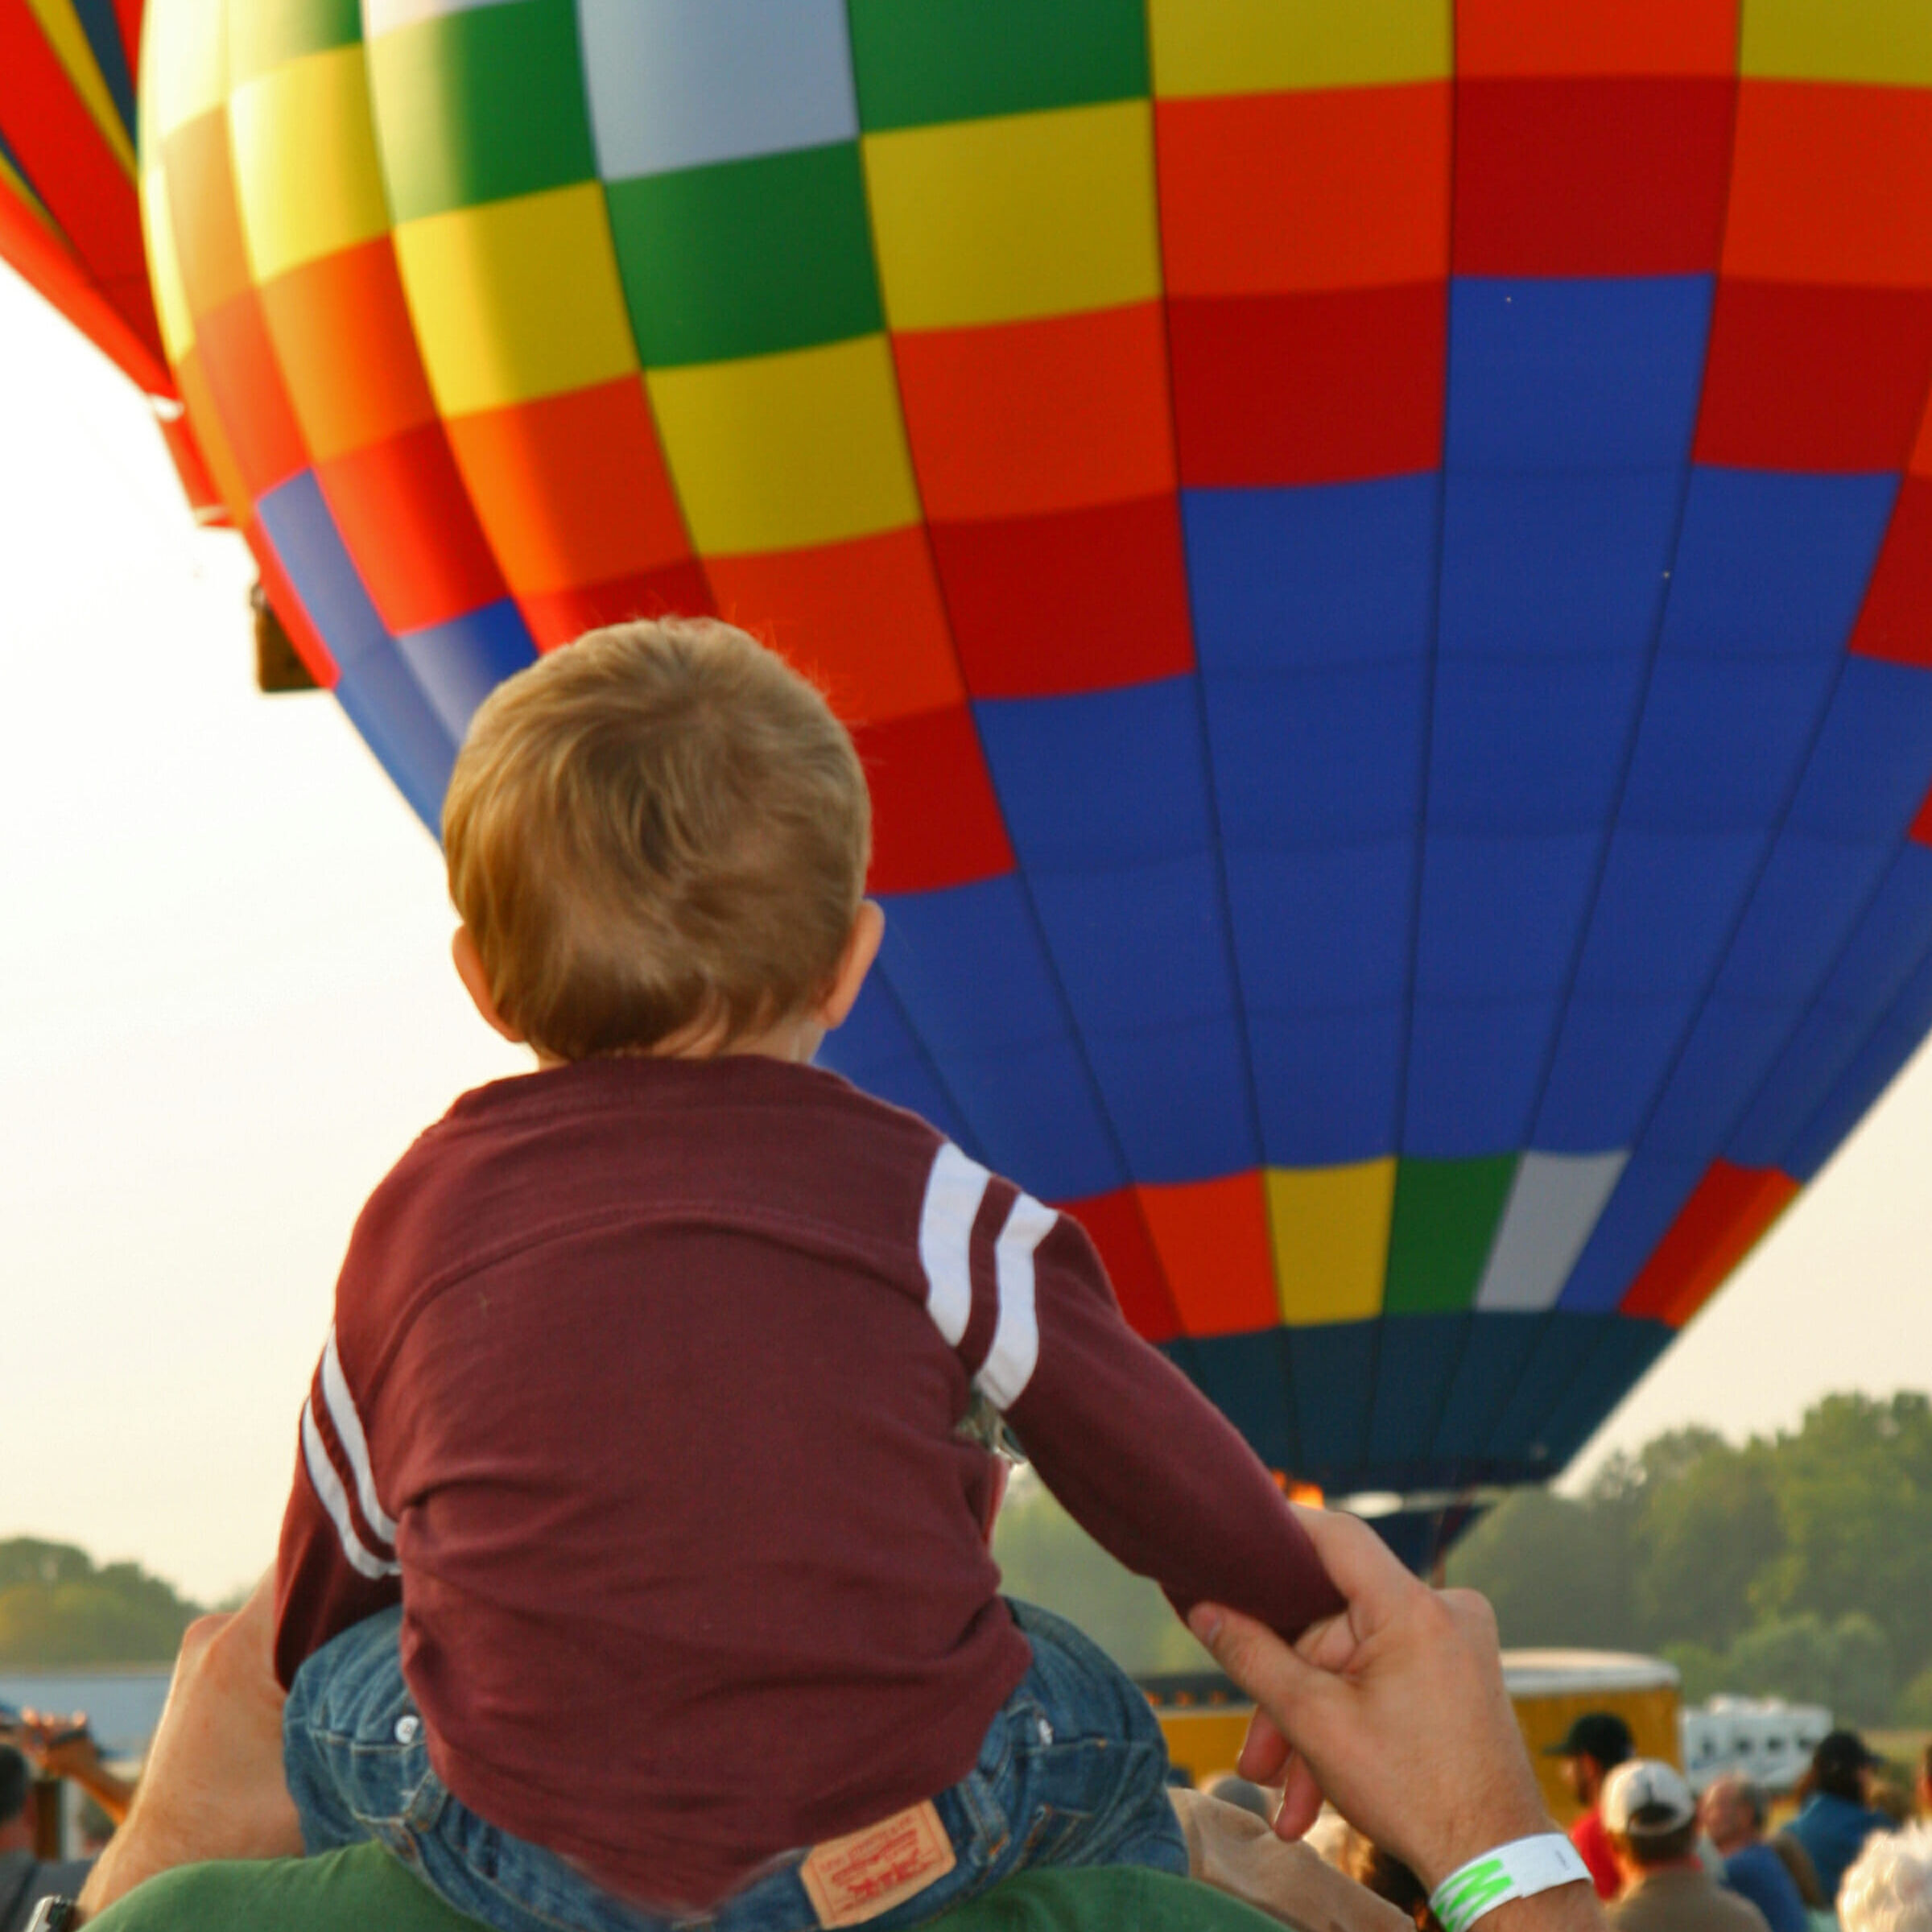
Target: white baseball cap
x=1646 y=1783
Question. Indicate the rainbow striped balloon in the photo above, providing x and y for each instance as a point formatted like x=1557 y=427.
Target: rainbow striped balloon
x=1379 y=553
x=70 y=222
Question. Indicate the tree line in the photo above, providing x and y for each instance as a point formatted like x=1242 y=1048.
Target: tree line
x=61 y=1610
x=1797 y=1566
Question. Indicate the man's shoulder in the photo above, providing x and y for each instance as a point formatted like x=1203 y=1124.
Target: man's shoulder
x=1590 y=1840
x=345 y=1891
x=1741 y=1914
x=1760 y=1856
x=1824 y=1809
x=1828 y=1819
x=1681 y=1900
x=1589 y=1829
x=1758 y=1874
x=339 y=1891
x=1102 y=1898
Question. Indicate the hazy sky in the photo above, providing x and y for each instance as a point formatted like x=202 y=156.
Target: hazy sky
x=229 y=1008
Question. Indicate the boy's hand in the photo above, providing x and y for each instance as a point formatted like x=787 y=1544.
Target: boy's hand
x=1395 y=1710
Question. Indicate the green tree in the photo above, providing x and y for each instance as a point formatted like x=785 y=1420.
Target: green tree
x=1788 y=1657
x=27 y=1559
x=1664 y=1460
x=1709 y=1524
x=57 y=1609
x=1703 y=1672
x=1864 y=1677
x=1845 y=1666
x=1558 y=1570
x=1854 y=1488
x=1795 y=1566
x=1915 y=1701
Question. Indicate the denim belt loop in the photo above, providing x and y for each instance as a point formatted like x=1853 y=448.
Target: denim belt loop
x=426 y=1802
x=987 y=1817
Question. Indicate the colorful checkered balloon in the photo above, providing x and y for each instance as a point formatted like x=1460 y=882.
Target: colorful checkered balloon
x=1379 y=552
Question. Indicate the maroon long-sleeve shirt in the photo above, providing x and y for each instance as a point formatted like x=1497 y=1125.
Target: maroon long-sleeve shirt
x=641 y=1393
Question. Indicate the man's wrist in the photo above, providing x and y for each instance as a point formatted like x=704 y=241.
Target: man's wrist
x=1523 y=1868
x=1569 y=1909
x=1501 y=1824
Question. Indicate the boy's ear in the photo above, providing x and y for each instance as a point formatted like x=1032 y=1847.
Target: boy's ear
x=861 y=949
x=476 y=982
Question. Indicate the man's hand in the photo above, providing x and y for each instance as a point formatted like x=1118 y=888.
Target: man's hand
x=1395 y=1710
x=214 y=1786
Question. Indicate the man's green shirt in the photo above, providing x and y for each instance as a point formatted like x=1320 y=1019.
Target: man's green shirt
x=365 y=1888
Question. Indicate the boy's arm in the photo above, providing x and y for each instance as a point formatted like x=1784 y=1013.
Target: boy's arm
x=1140 y=1459
x=337 y=1560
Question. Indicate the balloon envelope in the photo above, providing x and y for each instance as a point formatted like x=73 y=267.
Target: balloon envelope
x=70 y=220
x=1378 y=558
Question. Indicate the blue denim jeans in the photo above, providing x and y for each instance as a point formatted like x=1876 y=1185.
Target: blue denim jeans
x=1072 y=1772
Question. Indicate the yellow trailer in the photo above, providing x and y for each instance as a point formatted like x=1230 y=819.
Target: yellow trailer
x=1205 y=1718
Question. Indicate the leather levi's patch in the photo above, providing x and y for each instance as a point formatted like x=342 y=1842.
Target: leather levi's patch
x=852 y=1879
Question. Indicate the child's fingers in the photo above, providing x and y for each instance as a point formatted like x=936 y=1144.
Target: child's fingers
x=1263 y=1751
x=1301 y=1801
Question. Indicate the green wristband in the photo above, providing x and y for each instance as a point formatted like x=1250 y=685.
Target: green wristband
x=1520 y=1870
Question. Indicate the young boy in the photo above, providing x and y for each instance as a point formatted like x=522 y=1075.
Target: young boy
x=634 y=1567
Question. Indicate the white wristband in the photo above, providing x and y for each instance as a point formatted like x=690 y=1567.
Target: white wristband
x=1520 y=1870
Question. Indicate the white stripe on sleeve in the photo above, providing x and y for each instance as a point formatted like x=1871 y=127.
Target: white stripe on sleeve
x=1010 y=1362
x=954 y=1190
x=335 y=1499
x=342 y=1412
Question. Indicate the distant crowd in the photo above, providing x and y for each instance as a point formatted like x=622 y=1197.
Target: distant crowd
x=1854 y=1855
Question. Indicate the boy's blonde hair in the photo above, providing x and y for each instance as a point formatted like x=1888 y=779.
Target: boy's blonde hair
x=659 y=829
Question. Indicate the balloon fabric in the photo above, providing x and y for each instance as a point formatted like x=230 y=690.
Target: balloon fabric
x=1380 y=558
x=70 y=220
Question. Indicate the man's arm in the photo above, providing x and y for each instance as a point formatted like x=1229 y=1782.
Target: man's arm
x=1395 y=1711
x=213 y=1785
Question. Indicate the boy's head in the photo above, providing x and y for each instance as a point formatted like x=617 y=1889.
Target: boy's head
x=657 y=840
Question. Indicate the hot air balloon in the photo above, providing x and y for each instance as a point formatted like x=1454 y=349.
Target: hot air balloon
x=1380 y=557
x=70 y=221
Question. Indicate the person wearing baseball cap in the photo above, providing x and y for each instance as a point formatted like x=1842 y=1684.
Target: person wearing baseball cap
x=1651 y=1817
x=1592 y=1748
x=1837 y=1819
